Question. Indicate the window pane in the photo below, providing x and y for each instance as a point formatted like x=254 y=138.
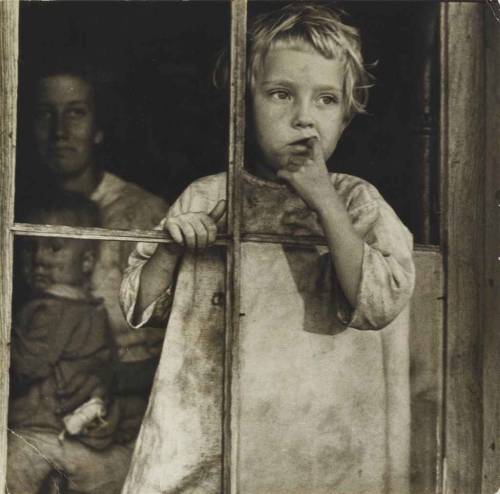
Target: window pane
x=80 y=377
x=71 y=347
x=273 y=208
x=137 y=116
x=394 y=145
x=320 y=390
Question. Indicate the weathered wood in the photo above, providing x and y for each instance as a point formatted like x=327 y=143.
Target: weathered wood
x=8 y=91
x=233 y=254
x=462 y=145
x=94 y=233
x=426 y=370
x=491 y=363
x=425 y=117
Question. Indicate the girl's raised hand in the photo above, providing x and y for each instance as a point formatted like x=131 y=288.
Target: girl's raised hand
x=308 y=175
x=196 y=230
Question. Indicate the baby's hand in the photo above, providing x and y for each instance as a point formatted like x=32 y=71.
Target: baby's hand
x=196 y=230
x=308 y=176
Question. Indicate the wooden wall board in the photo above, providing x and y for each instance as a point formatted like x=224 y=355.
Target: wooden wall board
x=463 y=149
x=491 y=351
x=426 y=368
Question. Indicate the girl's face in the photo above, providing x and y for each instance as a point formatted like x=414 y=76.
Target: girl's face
x=296 y=95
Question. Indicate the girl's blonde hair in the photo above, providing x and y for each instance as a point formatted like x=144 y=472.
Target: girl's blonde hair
x=321 y=28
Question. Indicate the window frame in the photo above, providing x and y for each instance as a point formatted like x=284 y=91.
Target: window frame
x=462 y=144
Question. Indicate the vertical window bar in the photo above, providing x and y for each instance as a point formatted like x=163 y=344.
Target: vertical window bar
x=441 y=467
x=232 y=315
x=9 y=12
x=425 y=129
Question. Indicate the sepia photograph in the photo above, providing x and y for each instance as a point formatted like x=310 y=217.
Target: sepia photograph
x=250 y=247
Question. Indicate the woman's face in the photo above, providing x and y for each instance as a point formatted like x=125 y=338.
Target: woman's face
x=65 y=126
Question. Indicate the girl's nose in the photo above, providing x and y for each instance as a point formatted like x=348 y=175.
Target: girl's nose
x=303 y=117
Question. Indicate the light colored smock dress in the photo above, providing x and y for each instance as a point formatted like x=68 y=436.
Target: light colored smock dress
x=322 y=394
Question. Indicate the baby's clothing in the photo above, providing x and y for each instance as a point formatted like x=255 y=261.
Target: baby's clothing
x=58 y=335
x=33 y=455
x=319 y=406
x=61 y=333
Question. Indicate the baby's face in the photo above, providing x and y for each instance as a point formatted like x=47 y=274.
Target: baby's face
x=50 y=261
x=297 y=95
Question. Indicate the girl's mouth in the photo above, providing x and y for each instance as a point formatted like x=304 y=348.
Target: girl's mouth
x=301 y=146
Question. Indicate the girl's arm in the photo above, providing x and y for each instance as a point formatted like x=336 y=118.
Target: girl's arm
x=138 y=306
x=193 y=231
x=370 y=249
x=157 y=275
x=344 y=243
x=310 y=179
x=146 y=286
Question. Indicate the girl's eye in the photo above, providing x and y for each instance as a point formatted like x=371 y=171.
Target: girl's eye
x=329 y=99
x=280 y=95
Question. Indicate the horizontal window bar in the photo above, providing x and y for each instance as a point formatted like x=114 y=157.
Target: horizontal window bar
x=29 y=229
x=284 y=239
x=156 y=236
x=311 y=240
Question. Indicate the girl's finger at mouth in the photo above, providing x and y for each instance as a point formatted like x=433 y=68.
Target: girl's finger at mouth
x=294 y=167
x=297 y=159
x=315 y=150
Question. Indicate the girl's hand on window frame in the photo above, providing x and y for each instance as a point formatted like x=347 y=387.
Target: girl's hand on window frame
x=196 y=231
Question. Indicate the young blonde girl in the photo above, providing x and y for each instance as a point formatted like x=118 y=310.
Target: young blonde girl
x=322 y=405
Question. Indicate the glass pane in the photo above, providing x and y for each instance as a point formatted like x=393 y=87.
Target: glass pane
x=322 y=391
x=117 y=102
x=327 y=393
x=273 y=208
x=394 y=145
x=81 y=377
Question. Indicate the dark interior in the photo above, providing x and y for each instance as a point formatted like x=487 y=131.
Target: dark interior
x=166 y=124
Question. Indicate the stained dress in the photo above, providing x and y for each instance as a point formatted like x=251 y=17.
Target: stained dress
x=321 y=391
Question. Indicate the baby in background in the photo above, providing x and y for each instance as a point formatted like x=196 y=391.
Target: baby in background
x=60 y=332
x=318 y=405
